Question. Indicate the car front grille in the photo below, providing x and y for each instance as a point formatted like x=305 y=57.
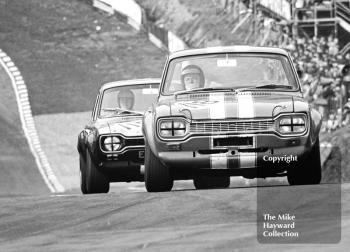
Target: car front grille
x=127 y=143
x=134 y=141
x=232 y=126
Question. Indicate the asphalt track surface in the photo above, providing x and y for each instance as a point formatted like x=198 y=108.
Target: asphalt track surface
x=184 y=219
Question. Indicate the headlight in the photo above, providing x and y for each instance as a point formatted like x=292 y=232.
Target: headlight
x=111 y=143
x=172 y=128
x=291 y=124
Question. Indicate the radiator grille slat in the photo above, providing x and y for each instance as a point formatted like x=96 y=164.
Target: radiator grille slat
x=231 y=127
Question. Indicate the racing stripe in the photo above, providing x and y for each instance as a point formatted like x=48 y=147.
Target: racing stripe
x=133 y=129
x=217 y=109
x=219 y=161
x=247 y=159
x=127 y=128
x=245 y=105
x=123 y=126
x=246 y=110
x=137 y=124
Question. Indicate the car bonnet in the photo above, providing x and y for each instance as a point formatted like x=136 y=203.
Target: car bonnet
x=127 y=126
x=222 y=105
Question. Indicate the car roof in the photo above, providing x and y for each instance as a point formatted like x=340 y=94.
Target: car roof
x=130 y=82
x=228 y=49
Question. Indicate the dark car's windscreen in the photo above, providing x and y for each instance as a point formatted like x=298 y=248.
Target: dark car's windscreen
x=230 y=70
x=127 y=100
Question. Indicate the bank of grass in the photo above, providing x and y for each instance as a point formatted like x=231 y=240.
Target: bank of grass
x=65 y=49
x=58 y=135
x=202 y=23
x=337 y=167
x=18 y=171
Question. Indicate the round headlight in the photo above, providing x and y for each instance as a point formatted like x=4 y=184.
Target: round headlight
x=116 y=143
x=107 y=144
x=112 y=143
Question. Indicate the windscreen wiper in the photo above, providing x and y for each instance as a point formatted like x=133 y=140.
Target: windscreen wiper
x=203 y=90
x=273 y=86
x=125 y=111
x=267 y=86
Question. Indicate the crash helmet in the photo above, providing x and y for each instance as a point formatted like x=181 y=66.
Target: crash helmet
x=192 y=77
x=126 y=99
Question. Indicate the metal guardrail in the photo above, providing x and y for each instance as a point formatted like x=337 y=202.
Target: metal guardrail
x=134 y=16
x=342 y=11
x=345 y=49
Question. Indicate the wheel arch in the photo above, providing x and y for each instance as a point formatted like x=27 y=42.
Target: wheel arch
x=148 y=128
x=315 y=125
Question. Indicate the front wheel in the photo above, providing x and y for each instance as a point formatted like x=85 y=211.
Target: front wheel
x=96 y=181
x=82 y=172
x=157 y=175
x=309 y=172
x=208 y=182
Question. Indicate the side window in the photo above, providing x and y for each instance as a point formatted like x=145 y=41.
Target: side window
x=95 y=108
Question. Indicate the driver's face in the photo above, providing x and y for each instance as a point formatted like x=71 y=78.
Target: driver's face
x=126 y=102
x=191 y=81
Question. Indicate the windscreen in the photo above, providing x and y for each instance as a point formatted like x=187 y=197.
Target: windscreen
x=229 y=71
x=128 y=100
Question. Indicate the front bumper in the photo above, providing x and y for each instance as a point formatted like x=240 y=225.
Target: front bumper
x=124 y=167
x=268 y=150
x=129 y=158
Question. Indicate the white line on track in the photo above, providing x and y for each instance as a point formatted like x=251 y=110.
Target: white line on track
x=65 y=195
x=28 y=125
x=137 y=189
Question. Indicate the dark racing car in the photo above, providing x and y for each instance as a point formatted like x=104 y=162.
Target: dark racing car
x=230 y=111
x=111 y=147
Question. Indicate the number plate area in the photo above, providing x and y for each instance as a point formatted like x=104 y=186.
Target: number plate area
x=233 y=142
x=141 y=154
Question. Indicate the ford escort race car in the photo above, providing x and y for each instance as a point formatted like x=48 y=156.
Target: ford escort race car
x=111 y=147
x=230 y=111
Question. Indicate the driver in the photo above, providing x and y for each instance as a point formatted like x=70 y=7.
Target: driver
x=192 y=77
x=126 y=99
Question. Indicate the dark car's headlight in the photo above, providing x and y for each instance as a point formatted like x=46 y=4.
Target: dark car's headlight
x=291 y=124
x=111 y=143
x=172 y=128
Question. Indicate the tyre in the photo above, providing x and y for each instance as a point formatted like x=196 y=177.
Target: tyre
x=309 y=172
x=211 y=182
x=82 y=172
x=157 y=175
x=96 y=181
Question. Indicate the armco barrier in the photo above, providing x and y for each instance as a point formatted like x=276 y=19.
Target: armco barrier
x=103 y=6
x=175 y=43
x=28 y=124
x=160 y=37
x=127 y=8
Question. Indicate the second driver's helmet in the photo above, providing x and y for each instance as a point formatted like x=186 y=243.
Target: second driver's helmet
x=126 y=99
x=192 y=77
